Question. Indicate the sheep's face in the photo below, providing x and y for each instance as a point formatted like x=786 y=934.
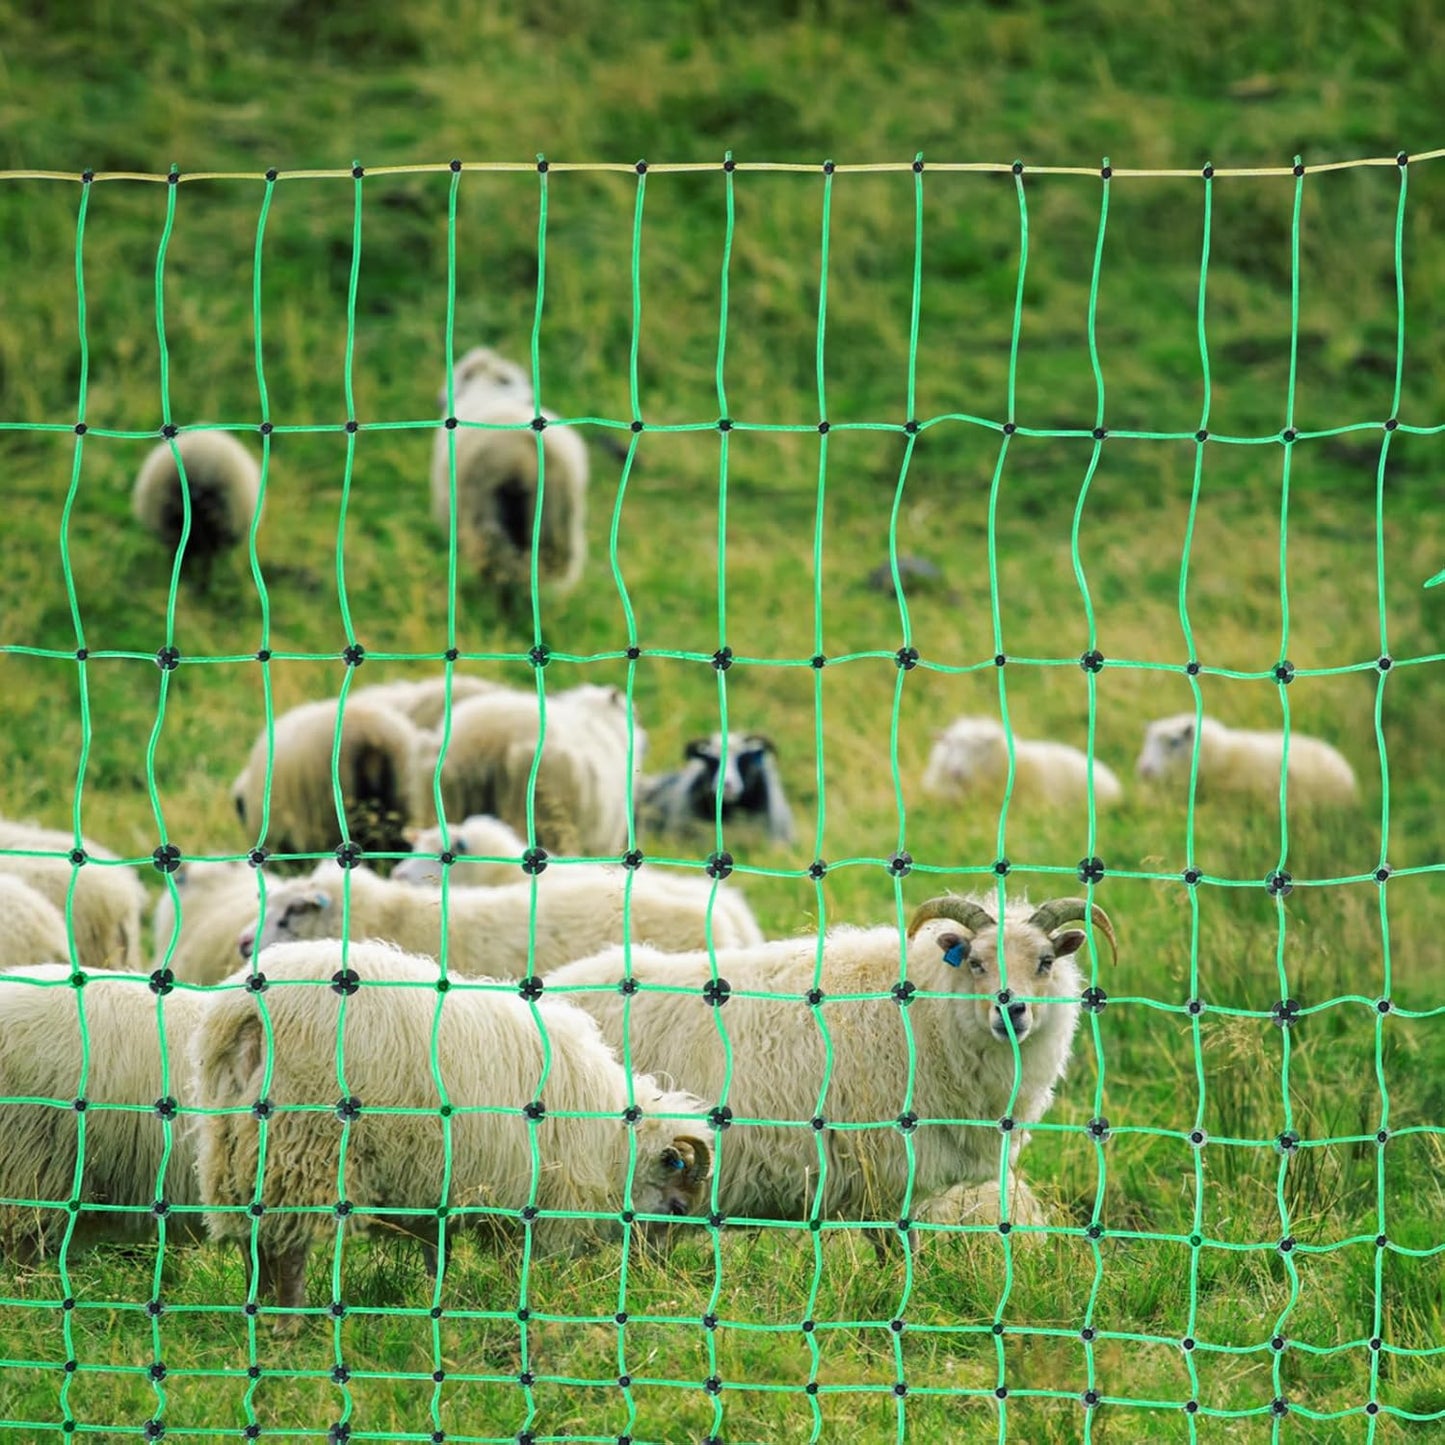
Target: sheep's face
x=744 y=779
x=1168 y=747
x=969 y=751
x=1035 y=965
x=671 y=1179
x=290 y=917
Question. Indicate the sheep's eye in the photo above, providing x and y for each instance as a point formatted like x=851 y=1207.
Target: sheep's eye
x=976 y=967
x=1046 y=962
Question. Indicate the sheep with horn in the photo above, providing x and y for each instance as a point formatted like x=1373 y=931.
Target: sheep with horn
x=992 y=1006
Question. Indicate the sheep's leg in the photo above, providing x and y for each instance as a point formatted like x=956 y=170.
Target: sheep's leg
x=429 y=1256
x=285 y=1274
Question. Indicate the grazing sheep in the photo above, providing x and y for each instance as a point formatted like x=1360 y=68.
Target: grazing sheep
x=499 y=478
x=749 y=781
x=1232 y=760
x=224 y=482
x=964 y=1048
x=583 y=790
x=487 y=1046
x=41 y=1058
x=377 y=749
x=423 y=704
x=481 y=836
x=32 y=928
x=108 y=899
x=218 y=902
x=579 y=909
x=970 y=761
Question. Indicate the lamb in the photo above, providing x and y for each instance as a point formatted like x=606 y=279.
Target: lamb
x=480 y=836
x=218 y=902
x=583 y=790
x=224 y=483
x=578 y=910
x=422 y=703
x=32 y=928
x=124 y=1148
x=377 y=749
x=487 y=1046
x=743 y=766
x=502 y=471
x=1233 y=761
x=108 y=898
x=964 y=1045
x=970 y=761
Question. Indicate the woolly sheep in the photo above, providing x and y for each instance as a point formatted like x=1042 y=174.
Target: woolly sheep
x=579 y=910
x=32 y=928
x=41 y=1058
x=582 y=790
x=218 y=902
x=1232 y=760
x=750 y=783
x=963 y=1045
x=488 y=1055
x=423 y=703
x=498 y=481
x=108 y=899
x=481 y=836
x=225 y=488
x=377 y=749
x=970 y=761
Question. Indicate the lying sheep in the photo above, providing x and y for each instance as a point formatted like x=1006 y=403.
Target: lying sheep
x=219 y=901
x=499 y=481
x=32 y=928
x=579 y=909
x=481 y=836
x=582 y=790
x=41 y=1058
x=488 y=1054
x=108 y=899
x=224 y=482
x=377 y=749
x=1232 y=760
x=742 y=766
x=424 y=703
x=964 y=1049
x=969 y=762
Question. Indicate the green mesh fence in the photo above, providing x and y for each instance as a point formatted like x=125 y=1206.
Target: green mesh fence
x=998 y=1334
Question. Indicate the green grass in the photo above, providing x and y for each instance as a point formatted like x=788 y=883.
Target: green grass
x=1065 y=566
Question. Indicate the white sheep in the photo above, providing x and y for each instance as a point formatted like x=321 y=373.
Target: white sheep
x=423 y=703
x=480 y=836
x=218 y=902
x=743 y=766
x=969 y=761
x=378 y=747
x=578 y=910
x=963 y=1048
x=41 y=1057
x=32 y=928
x=1232 y=760
x=224 y=482
x=583 y=789
x=498 y=478
x=487 y=1047
x=108 y=899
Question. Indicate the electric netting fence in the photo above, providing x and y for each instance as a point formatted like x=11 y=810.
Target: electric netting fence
x=465 y=1394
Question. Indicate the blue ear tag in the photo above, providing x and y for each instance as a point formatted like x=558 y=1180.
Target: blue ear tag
x=954 y=956
x=676 y=1162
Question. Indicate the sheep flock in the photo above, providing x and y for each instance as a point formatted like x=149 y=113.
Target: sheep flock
x=435 y=919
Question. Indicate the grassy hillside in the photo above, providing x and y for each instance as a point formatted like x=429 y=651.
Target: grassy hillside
x=1152 y=550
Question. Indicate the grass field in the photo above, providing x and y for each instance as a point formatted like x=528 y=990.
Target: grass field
x=1150 y=550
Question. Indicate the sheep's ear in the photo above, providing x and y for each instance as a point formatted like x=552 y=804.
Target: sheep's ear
x=696 y=748
x=1067 y=940
x=236 y=1065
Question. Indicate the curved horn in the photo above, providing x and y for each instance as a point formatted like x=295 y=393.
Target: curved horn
x=1053 y=914
x=973 y=916
x=700 y=1169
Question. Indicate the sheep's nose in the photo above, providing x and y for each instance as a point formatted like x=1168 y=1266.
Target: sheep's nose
x=678 y=1207
x=246 y=943
x=1016 y=1012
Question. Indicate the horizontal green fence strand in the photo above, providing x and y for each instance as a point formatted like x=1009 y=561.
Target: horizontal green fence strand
x=1000 y=1334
